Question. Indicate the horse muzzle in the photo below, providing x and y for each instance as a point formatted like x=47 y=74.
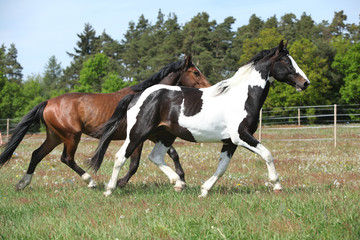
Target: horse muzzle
x=302 y=85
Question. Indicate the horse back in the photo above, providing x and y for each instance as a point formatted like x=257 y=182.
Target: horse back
x=80 y=112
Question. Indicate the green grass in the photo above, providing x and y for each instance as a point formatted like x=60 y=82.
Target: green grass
x=320 y=199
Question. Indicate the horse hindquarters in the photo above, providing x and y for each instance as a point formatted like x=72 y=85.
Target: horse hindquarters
x=31 y=118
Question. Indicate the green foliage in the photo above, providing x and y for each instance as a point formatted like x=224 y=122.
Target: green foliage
x=52 y=77
x=113 y=83
x=92 y=74
x=12 y=100
x=327 y=53
x=347 y=62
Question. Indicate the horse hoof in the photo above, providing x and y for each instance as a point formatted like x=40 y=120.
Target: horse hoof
x=179 y=186
x=204 y=193
x=178 y=189
x=277 y=191
x=107 y=193
x=121 y=184
x=92 y=185
x=20 y=187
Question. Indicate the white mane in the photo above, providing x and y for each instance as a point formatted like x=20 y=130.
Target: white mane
x=245 y=74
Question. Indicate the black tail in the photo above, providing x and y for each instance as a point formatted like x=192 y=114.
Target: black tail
x=31 y=118
x=107 y=131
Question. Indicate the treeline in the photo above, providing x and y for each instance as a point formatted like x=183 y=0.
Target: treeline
x=328 y=52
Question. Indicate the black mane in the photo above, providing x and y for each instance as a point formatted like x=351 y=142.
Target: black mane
x=157 y=77
x=263 y=54
x=254 y=60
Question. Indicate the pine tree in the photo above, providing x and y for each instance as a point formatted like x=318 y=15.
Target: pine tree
x=13 y=69
x=52 y=77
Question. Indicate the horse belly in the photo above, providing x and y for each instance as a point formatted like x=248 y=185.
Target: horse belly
x=204 y=129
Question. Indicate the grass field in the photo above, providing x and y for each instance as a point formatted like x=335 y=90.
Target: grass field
x=320 y=198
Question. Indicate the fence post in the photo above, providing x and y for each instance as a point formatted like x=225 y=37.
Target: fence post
x=299 y=117
x=7 y=129
x=260 y=127
x=335 y=122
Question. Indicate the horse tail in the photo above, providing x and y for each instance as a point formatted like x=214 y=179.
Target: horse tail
x=30 y=119
x=107 y=131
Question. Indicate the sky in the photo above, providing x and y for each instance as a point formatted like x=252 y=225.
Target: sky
x=43 y=28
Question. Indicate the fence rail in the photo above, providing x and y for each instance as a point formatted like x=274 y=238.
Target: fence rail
x=281 y=119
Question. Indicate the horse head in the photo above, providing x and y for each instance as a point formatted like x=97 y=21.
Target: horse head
x=285 y=69
x=191 y=76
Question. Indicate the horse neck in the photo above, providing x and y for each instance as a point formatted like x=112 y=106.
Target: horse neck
x=171 y=79
x=249 y=81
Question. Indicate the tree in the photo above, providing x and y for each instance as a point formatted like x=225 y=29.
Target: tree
x=113 y=83
x=305 y=27
x=287 y=26
x=347 y=62
x=88 y=43
x=268 y=38
x=97 y=75
x=338 y=25
x=11 y=101
x=32 y=92
x=52 y=77
x=305 y=54
x=92 y=74
x=198 y=34
x=13 y=69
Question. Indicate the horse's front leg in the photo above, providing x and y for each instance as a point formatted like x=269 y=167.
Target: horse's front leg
x=226 y=153
x=255 y=146
x=269 y=160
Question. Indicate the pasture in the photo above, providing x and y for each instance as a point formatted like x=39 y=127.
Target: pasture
x=320 y=197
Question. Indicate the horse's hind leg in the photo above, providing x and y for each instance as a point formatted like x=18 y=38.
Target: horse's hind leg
x=67 y=157
x=134 y=164
x=120 y=159
x=157 y=156
x=48 y=145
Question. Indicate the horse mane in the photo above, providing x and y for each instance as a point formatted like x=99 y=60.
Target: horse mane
x=157 y=77
x=224 y=85
x=264 y=53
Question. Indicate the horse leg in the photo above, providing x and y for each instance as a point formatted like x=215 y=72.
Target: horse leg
x=134 y=164
x=178 y=168
x=269 y=160
x=157 y=156
x=226 y=153
x=48 y=145
x=120 y=159
x=67 y=157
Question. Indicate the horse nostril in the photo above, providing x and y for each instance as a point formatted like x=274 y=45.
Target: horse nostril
x=306 y=84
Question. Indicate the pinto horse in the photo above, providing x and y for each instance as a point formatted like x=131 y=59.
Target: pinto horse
x=67 y=116
x=227 y=112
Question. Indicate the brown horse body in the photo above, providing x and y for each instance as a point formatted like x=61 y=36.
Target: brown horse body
x=68 y=116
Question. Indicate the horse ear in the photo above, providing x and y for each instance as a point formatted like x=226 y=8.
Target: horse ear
x=281 y=45
x=188 y=58
x=285 y=46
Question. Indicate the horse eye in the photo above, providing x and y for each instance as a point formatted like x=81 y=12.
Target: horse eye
x=197 y=74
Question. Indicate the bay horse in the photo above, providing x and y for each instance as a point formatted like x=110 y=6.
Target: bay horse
x=227 y=112
x=67 y=116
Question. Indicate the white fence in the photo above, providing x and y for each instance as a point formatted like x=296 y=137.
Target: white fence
x=311 y=118
x=282 y=119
